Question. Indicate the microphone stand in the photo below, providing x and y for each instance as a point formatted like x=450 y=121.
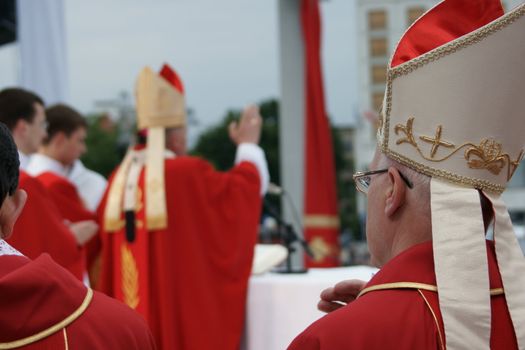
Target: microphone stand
x=289 y=236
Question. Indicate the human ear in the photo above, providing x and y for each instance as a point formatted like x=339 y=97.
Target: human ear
x=20 y=127
x=396 y=194
x=8 y=216
x=61 y=137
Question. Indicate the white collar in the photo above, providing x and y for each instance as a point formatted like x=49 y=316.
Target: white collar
x=41 y=163
x=6 y=249
x=24 y=159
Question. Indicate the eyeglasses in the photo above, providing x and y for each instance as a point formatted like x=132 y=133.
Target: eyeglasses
x=362 y=179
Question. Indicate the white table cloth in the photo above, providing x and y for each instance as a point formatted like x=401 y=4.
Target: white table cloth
x=280 y=306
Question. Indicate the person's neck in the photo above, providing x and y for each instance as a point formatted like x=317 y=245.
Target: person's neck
x=409 y=233
x=22 y=146
x=52 y=153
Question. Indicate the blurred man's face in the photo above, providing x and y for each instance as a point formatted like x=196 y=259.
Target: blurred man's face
x=74 y=146
x=176 y=140
x=36 y=130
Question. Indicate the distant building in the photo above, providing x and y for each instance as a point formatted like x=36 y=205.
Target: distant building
x=380 y=25
x=347 y=200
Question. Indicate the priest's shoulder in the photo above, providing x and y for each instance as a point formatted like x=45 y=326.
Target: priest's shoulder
x=187 y=164
x=52 y=180
x=109 y=324
x=27 y=181
x=91 y=319
x=396 y=317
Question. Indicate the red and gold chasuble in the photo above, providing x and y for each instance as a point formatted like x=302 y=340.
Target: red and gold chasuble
x=189 y=280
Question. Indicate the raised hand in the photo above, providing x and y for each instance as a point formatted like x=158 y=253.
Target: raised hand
x=248 y=128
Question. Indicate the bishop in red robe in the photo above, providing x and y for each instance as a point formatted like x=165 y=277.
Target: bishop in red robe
x=189 y=277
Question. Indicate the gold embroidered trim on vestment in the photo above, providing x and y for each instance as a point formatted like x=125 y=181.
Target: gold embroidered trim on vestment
x=412 y=65
x=113 y=209
x=398 y=285
x=154 y=182
x=414 y=285
x=53 y=329
x=441 y=341
x=66 y=343
x=130 y=277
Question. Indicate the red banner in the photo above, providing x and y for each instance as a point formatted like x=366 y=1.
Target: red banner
x=321 y=220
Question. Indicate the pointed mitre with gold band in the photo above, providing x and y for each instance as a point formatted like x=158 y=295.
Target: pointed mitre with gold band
x=160 y=105
x=453 y=112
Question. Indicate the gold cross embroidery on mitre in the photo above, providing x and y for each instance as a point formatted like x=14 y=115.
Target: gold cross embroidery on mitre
x=436 y=141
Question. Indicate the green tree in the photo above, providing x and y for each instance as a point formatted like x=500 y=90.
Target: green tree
x=215 y=146
x=103 y=152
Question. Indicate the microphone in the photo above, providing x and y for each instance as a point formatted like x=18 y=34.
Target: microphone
x=290 y=236
x=275 y=190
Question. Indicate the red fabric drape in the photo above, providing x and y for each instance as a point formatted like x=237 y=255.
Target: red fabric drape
x=320 y=207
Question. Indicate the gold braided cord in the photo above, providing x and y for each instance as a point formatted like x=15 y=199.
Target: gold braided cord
x=53 y=329
x=398 y=285
x=66 y=343
x=459 y=179
x=441 y=341
x=414 y=285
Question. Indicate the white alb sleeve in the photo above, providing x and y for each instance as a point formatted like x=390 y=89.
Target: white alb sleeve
x=250 y=152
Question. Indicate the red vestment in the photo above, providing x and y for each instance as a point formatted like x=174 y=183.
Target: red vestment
x=66 y=197
x=40 y=300
x=41 y=229
x=190 y=279
x=404 y=315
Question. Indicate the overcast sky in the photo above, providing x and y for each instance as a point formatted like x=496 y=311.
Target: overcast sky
x=226 y=51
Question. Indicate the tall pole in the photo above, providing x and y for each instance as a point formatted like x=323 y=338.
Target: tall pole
x=291 y=130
